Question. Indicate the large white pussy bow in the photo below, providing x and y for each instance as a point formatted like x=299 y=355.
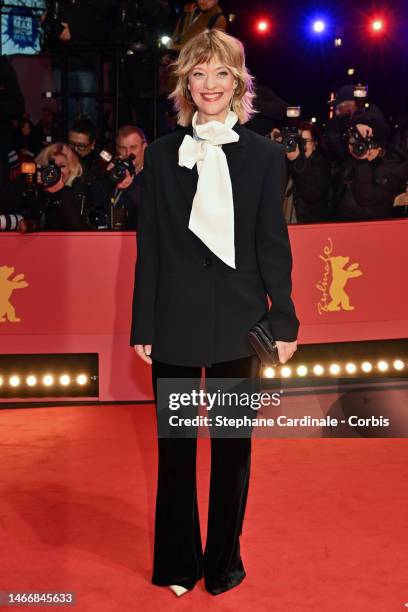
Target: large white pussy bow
x=212 y=212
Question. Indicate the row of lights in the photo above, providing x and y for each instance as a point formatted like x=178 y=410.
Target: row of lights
x=318 y=26
x=335 y=369
x=48 y=380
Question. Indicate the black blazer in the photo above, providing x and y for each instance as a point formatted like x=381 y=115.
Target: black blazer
x=192 y=307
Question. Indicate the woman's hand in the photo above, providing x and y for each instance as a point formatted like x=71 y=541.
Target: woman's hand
x=54 y=188
x=286 y=350
x=143 y=351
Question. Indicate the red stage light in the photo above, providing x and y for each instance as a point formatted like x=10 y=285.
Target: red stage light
x=377 y=25
x=262 y=26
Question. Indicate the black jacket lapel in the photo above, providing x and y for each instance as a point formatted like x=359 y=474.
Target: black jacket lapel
x=236 y=154
x=187 y=178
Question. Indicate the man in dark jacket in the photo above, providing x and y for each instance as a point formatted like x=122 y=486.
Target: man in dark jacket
x=346 y=109
x=11 y=107
x=368 y=183
x=126 y=195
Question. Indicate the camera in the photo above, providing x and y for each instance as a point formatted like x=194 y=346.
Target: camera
x=360 y=145
x=10 y=223
x=49 y=175
x=289 y=135
x=360 y=94
x=118 y=172
x=119 y=166
x=290 y=138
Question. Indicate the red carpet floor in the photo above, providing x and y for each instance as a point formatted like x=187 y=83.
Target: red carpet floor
x=326 y=527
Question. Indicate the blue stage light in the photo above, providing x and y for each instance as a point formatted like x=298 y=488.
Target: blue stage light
x=318 y=26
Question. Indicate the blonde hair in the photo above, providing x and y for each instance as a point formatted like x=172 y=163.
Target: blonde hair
x=60 y=148
x=202 y=48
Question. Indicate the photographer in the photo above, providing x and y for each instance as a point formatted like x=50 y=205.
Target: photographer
x=310 y=172
x=74 y=27
x=372 y=176
x=50 y=196
x=117 y=195
x=350 y=102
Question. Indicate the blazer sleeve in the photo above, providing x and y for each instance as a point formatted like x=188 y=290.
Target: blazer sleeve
x=273 y=249
x=147 y=260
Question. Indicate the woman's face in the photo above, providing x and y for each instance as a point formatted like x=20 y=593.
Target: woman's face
x=212 y=87
x=62 y=164
x=309 y=143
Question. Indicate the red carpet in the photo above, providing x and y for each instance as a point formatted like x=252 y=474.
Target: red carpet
x=326 y=526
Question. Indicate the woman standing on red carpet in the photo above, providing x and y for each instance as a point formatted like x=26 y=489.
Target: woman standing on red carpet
x=212 y=243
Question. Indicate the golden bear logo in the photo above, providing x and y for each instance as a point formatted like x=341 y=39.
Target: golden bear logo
x=334 y=296
x=7 y=286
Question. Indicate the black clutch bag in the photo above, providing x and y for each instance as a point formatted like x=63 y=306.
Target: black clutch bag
x=261 y=338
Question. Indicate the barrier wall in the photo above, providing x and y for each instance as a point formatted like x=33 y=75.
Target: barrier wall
x=72 y=293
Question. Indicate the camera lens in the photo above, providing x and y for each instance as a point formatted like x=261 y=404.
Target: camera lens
x=50 y=175
x=118 y=173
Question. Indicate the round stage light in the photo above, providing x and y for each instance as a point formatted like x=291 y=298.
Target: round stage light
x=269 y=372
x=334 y=368
x=350 y=71
x=366 y=366
x=351 y=368
x=286 y=372
x=377 y=25
x=319 y=26
x=262 y=26
x=338 y=42
x=65 y=380
x=302 y=370
x=82 y=379
x=48 y=380
x=313 y=120
x=165 y=40
x=398 y=364
x=14 y=381
x=318 y=370
x=31 y=381
x=382 y=366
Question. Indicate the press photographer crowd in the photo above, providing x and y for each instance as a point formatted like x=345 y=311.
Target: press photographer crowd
x=350 y=166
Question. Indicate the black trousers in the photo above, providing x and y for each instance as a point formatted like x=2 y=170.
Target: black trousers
x=178 y=553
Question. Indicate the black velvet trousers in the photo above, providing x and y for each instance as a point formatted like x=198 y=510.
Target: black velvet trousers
x=178 y=553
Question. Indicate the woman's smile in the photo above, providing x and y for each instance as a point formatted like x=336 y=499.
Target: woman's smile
x=212 y=97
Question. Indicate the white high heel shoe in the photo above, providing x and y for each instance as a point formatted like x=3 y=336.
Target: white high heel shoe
x=178 y=590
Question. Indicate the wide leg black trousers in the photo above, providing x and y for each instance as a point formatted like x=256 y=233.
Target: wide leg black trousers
x=178 y=553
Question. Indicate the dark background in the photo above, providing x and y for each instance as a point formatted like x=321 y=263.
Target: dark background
x=304 y=68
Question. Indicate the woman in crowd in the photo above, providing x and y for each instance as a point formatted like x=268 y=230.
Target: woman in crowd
x=58 y=204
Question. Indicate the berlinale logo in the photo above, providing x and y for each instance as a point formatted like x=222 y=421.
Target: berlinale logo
x=335 y=277
x=7 y=286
